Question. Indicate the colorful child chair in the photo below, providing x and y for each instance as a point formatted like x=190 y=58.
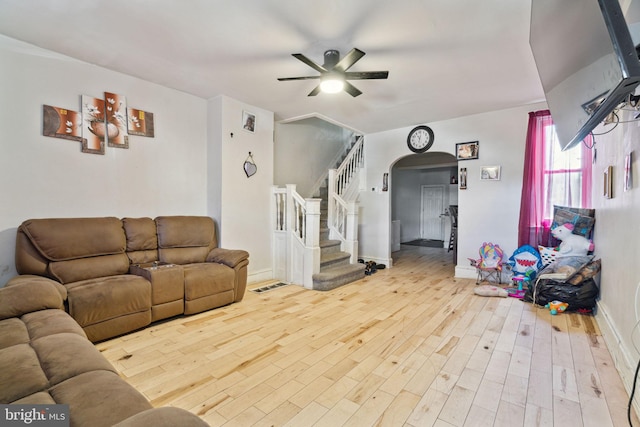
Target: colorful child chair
x=489 y=265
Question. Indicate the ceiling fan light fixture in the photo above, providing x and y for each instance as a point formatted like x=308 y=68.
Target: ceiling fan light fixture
x=332 y=84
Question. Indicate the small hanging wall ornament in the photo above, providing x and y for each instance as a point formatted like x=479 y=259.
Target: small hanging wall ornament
x=250 y=167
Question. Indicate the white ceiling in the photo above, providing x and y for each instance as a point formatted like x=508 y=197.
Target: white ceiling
x=446 y=58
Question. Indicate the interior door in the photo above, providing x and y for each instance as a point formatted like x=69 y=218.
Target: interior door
x=432 y=209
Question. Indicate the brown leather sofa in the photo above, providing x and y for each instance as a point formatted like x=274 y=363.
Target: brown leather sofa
x=120 y=275
x=46 y=359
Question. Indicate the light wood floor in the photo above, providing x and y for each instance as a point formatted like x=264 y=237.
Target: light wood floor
x=406 y=346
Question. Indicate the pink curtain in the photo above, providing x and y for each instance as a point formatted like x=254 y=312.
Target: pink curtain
x=532 y=228
x=549 y=177
x=587 y=162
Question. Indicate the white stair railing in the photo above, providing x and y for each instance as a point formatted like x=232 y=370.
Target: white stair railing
x=342 y=214
x=349 y=167
x=296 y=244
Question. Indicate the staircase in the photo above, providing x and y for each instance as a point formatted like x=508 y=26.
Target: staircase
x=335 y=265
x=316 y=240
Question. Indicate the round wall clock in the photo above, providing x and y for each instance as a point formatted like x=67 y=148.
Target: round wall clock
x=420 y=139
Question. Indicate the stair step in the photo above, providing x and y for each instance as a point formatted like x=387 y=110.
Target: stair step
x=332 y=259
x=329 y=243
x=334 y=277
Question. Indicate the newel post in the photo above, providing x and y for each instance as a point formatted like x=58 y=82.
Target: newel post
x=351 y=239
x=312 y=242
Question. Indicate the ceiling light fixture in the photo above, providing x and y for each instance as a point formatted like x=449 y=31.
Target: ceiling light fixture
x=332 y=83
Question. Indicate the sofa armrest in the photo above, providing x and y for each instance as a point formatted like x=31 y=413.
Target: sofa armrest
x=228 y=257
x=33 y=278
x=29 y=296
x=163 y=417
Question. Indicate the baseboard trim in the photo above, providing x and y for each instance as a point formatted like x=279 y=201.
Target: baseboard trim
x=465 y=272
x=621 y=355
x=259 y=276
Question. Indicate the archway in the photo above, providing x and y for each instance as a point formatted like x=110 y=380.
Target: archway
x=422 y=186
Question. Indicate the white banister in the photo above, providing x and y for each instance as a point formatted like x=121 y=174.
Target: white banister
x=342 y=214
x=296 y=227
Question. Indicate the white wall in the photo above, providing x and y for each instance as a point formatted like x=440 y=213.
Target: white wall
x=175 y=173
x=305 y=150
x=488 y=210
x=617 y=244
x=243 y=207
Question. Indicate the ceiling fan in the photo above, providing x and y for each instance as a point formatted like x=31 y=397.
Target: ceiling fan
x=333 y=73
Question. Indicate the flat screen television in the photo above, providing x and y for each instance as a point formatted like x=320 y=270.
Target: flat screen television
x=586 y=60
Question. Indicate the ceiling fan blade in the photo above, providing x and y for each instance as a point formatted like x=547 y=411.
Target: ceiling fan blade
x=366 y=75
x=351 y=89
x=348 y=60
x=309 y=62
x=284 y=79
x=315 y=91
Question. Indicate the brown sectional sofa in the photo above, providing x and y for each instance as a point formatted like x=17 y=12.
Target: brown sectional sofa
x=119 y=275
x=45 y=358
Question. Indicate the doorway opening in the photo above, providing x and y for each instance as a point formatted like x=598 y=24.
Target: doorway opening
x=423 y=186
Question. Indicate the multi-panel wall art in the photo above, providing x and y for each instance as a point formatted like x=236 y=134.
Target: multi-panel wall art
x=101 y=122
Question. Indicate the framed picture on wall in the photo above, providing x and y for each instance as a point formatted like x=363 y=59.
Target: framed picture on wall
x=628 y=179
x=467 y=150
x=248 y=121
x=608 y=182
x=463 y=179
x=490 y=173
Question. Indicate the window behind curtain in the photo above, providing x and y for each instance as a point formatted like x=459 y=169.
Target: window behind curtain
x=551 y=177
x=567 y=182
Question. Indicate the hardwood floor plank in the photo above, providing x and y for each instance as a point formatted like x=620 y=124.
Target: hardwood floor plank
x=407 y=346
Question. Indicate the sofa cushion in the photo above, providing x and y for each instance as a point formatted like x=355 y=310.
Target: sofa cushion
x=39 y=398
x=48 y=322
x=13 y=331
x=183 y=256
x=206 y=279
x=66 y=355
x=99 y=398
x=186 y=232
x=89 y=268
x=60 y=239
x=96 y=300
x=140 y=233
x=142 y=241
x=25 y=376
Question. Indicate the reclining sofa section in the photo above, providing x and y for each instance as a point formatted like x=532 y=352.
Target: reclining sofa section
x=120 y=275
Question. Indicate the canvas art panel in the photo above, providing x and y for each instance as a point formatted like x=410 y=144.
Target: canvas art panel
x=61 y=123
x=116 y=120
x=140 y=123
x=94 y=128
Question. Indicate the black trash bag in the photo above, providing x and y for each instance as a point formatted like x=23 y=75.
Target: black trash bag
x=580 y=297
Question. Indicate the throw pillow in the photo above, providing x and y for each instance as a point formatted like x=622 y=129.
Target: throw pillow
x=490 y=291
